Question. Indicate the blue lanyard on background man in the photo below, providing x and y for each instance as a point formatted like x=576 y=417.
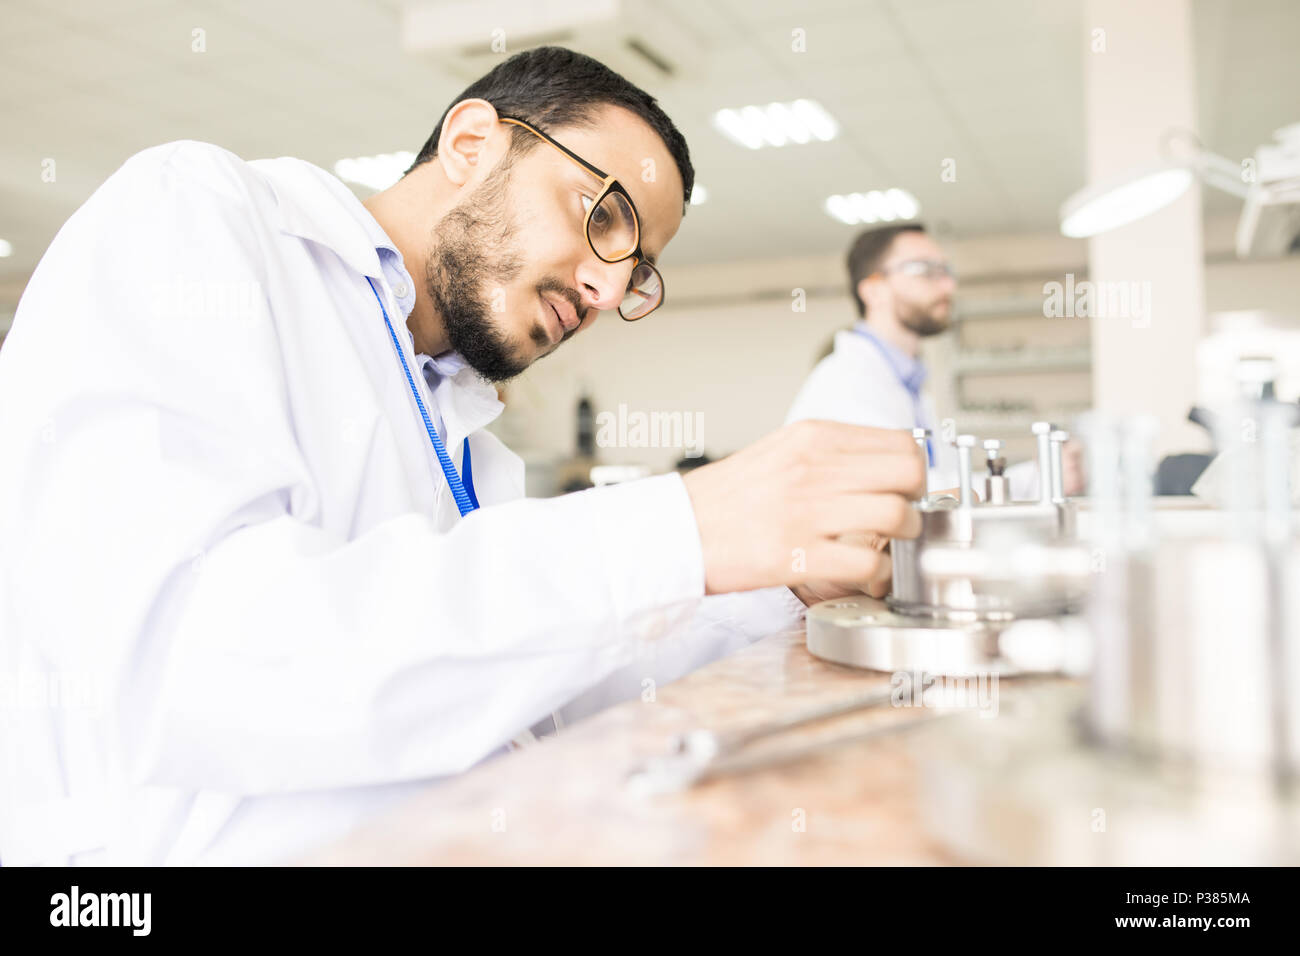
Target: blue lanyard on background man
x=461 y=490
x=918 y=415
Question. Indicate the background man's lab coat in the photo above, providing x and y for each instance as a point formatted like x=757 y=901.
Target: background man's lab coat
x=858 y=385
x=221 y=519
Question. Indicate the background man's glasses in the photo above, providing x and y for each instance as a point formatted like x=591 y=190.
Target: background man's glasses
x=613 y=231
x=921 y=268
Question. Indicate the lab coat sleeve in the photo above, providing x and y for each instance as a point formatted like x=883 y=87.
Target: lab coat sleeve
x=722 y=625
x=172 y=546
x=752 y=614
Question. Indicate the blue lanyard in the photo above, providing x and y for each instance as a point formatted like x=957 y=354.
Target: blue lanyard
x=461 y=490
x=917 y=416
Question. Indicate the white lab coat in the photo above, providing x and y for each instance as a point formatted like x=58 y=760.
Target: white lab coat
x=856 y=384
x=227 y=546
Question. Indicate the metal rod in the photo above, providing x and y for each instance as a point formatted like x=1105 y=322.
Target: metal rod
x=728 y=743
x=964 y=444
x=697 y=754
x=746 y=763
x=1058 y=439
x=922 y=438
x=1043 y=431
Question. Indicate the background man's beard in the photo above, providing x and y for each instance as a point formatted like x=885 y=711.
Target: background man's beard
x=463 y=266
x=922 y=321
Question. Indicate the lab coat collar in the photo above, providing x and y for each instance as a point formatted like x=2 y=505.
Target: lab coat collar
x=314 y=205
x=470 y=404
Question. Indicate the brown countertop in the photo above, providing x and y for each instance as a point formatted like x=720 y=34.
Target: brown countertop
x=566 y=800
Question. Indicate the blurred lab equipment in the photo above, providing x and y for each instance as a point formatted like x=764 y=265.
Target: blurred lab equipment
x=1184 y=746
x=989 y=586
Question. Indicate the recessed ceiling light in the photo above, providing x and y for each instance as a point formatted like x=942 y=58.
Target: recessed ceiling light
x=699 y=195
x=375 y=172
x=889 y=205
x=5 y=249
x=777 y=124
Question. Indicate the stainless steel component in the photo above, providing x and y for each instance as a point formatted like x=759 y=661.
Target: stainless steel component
x=964 y=494
x=704 y=754
x=989 y=528
x=997 y=487
x=705 y=744
x=1175 y=613
x=1026 y=790
x=1058 y=439
x=1043 y=431
x=976 y=567
x=1029 y=563
x=749 y=762
x=1257 y=377
x=865 y=632
x=922 y=438
x=1228 y=357
x=1185 y=747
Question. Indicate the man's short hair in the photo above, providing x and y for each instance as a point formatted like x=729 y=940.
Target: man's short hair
x=550 y=87
x=868 y=252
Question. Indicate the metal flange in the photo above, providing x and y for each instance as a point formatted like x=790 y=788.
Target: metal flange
x=864 y=632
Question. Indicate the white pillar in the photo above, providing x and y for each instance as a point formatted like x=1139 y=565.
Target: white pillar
x=1138 y=83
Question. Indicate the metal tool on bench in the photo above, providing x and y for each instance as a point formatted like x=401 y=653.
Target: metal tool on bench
x=703 y=754
x=988 y=587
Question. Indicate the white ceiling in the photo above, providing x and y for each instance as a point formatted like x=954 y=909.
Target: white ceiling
x=995 y=85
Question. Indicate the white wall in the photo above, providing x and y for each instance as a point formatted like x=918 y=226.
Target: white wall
x=735 y=366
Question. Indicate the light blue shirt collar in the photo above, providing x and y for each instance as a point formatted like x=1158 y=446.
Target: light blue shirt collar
x=911 y=371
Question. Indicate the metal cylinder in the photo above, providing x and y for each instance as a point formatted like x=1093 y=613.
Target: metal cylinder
x=922 y=438
x=964 y=473
x=1195 y=636
x=1042 y=432
x=993 y=529
x=1058 y=439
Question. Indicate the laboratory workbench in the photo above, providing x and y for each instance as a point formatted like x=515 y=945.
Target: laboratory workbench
x=566 y=800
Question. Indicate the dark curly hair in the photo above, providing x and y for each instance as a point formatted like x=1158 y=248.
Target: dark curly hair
x=550 y=86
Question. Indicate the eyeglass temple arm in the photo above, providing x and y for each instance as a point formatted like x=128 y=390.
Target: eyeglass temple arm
x=605 y=177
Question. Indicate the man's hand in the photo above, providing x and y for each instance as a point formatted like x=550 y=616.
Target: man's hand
x=775 y=512
x=877 y=586
x=813 y=592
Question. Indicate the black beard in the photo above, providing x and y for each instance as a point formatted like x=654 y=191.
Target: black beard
x=921 y=322
x=459 y=273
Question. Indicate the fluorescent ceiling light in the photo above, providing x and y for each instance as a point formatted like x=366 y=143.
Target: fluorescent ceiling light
x=6 y=249
x=777 y=124
x=889 y=205
x=374 y=172
x=1125 y=199
x=699 y=195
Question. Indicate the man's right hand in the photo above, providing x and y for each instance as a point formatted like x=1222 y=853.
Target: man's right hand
x=771 y=513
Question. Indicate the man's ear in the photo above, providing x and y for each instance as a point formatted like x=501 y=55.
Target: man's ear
x=864 y=285
x=471 y=138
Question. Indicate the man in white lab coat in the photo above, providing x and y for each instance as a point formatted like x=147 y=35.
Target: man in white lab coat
x=248 y=595
x=902 y=285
